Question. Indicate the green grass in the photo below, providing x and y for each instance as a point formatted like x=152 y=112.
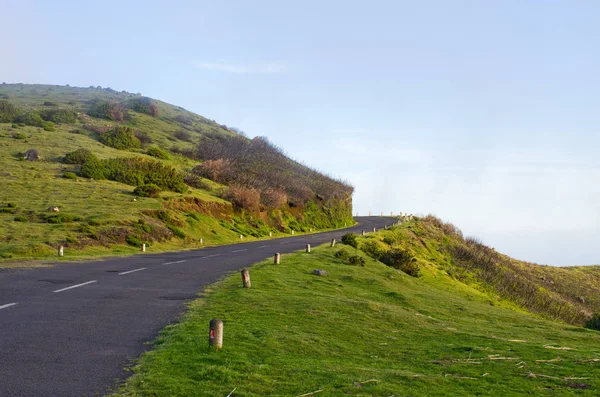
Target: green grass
x=363 y=331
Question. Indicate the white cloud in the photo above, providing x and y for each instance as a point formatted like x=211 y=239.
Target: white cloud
x=251 y=68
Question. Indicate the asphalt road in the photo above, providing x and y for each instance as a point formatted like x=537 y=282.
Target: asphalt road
x=70 y=329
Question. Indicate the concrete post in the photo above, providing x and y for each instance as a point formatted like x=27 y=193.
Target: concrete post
x=270 y=234
x=215 y=335
x=241 y=237
x=277 y=258
x=61 y=251
x=332 y=243
x=310 y=230
x=143 y=247
x=292 y=231
x=246 y=278
x=307 y=248
x=374 y=229
x=363 y=232
x=201 y=240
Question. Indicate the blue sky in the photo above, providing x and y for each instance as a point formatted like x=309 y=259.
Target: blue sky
x=485 y=113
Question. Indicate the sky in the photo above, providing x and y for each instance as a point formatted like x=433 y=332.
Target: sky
x=484 y=113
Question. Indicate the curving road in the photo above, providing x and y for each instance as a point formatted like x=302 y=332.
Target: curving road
x=70 y=329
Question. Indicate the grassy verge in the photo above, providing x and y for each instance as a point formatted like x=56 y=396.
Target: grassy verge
x=362 y=331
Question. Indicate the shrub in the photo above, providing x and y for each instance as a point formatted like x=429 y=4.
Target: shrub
x=31 y=118
x=14 y=126
x=133 y=240
x=21 y=219
x=216 y=170
x=71 y=240
x=183 y=135
x=273 y=198
x=143 y=105
x=184 y=119
x=158 y=153
x=62 y=218
x=49 y=126
x=69 y=175
x=244 y=197
x=107 y=110
x=8 y=112
x=196 y=181
x=121 y=138
x=402 y=260
x=374 y=248
x=342 y=254
x=79 y=156
x=143 y=137
x=64 y=116
x=19 y=135
x=149 y=190
x=356 y=260
x=135 y=171
x=350 y=239
x=11 y=205
x=593 y=322
x=48 y=103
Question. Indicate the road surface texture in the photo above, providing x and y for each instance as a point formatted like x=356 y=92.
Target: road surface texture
x=70 y=329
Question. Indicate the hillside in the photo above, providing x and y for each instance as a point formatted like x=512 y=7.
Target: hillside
x=195 y=179
x=434 y=321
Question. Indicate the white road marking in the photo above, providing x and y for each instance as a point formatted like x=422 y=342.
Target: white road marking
x=264 y=246
x=211 y=256
x=240 y=250
x=314 y=237
x=170 y=263
x=8 y=305
x=132 y=271
x=76 y=286
x=285 y=242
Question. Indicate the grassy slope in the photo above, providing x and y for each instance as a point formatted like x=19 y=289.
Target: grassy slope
x=36 y=186
x=364 y=331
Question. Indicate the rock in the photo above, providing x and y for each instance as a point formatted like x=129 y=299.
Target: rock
x=134 y=199
x=53 y=209
x=318 y=272
x=581 y=299
x=31 y=155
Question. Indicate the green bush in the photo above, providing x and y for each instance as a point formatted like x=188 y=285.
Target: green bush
x=71 y=240
x=149 y=190
x=356 y=260
x=135 y=171
x=133 y=240
x=49 y=103
x=20 y=135
x=79 y=156
x=8 y=112
x=31 y=118
x=107 y=110
x=11 y=205
x=374 y=248
x=402 y=260
x=158 y=153
x=350 y=239
x=63 y=116
x=593 y=322
x=62 y=218
x=342 y=254
x=143 y=105
x=21 y=219
x=49 y=126
x=121 y=138
x=69 y=175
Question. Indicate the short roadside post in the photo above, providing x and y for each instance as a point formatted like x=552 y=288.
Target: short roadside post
x=277 y=259
x=363 y=232
x=61 y=251
x=215 y=335
x=307 y=248
x=374 y=229
x=246 y=278
x=333 y=242
x=143 y=247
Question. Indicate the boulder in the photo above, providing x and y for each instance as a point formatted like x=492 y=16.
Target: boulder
x=322 y=273
x=31 y=155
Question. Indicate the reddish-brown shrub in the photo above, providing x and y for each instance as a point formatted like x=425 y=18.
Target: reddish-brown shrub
x=216 y=170
x=274 y=198
x=244 y=197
